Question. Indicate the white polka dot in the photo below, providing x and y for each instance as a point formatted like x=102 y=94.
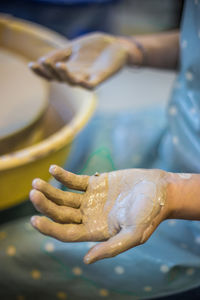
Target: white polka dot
x=184 y=246
x=49 y=247
x=172 y=110
x=171 y=222
x=164 y=268
x=184 y=44
x=190 y=271
x=35 y=274
x=199 y=33
x=175 y=140
x=196 y=2
x=119 y=270
x=197 y=240
x=189 y=76
x=103 y=292
x=61 y=295
x=77 y=271
x=91 y=244
x=147 y=288
x=11 y=251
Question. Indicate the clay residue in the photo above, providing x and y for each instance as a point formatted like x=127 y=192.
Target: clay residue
x=92 y=208
x=122 y=199
x=137 y=198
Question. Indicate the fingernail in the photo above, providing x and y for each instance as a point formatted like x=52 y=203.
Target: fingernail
x=58 y=65
x=31 y=194
x=34 y=221
x=52 y=168
x=87 y=260
x=30 y=64
x=42 y=59
x=36 y=182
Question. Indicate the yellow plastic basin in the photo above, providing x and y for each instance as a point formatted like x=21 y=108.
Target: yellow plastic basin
x=69 y=110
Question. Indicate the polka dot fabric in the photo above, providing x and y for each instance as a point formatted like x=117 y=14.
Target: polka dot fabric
x=182 y=143
x=169 y=262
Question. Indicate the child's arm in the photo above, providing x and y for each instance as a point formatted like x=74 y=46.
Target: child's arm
x=121 y=209
x=160 y=50
x=184 y=196
x=89 y=60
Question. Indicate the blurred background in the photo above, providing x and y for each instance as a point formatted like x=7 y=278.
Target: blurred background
x=118 y=17
x=75 y=17
x=130 y=100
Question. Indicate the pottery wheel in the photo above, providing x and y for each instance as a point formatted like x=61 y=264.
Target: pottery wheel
x=23 y=96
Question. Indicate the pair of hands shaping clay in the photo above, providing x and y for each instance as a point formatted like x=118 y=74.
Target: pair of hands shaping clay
x=121 y=208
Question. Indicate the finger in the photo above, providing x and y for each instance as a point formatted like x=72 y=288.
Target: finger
x=72 y=181
x=39 y=70
x=58 y=196
x=64 y=233
x=58 y=55
x=61 y=214
x=121 y=242
x=72 y=77
x=94 y=81
x=63 y=72
x=50 y=67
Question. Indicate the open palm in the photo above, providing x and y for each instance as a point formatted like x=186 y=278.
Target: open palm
x=86 y=61
x=120 y=208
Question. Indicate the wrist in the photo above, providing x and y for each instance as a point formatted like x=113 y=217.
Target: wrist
x=172 y=194
x=183 y=196
x=134 y=49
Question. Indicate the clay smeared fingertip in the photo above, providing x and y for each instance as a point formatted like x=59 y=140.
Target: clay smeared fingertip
x=36 y=182
x=31 y=64
x=87 y=260
x=43 y=60
x=34 y=221
x=58 y=65
x=31 y=194
x=52 y=169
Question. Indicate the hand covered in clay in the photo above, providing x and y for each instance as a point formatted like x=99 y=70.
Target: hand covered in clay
x=120 y=208
x=86 y=61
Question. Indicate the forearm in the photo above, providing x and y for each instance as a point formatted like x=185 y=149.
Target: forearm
x=184 y=196
x=160 y=50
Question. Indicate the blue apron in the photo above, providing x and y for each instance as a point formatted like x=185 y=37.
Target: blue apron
x=181 y=147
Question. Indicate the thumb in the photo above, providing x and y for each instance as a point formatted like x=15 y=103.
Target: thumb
x=124 y=240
